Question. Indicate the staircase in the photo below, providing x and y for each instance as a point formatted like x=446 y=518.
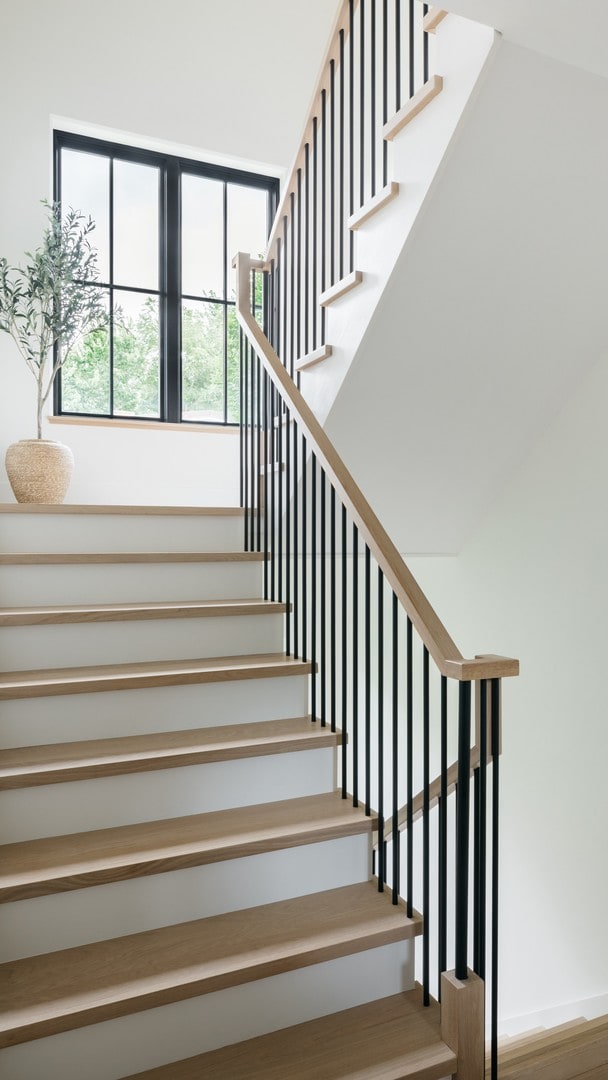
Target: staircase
x=179 y=875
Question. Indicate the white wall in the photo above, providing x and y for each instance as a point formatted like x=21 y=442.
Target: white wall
x=194 y=72
x=496 y=307
x=533 y=583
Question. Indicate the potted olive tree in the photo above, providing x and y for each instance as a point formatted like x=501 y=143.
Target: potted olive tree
x=47 y=307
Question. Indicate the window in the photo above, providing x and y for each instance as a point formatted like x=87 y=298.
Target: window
x=166 y=231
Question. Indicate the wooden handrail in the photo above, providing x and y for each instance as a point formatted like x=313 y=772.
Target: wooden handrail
x=426 y=621
x=331 y=53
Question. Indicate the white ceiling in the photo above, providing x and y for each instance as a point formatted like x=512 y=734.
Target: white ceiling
x=567 y=30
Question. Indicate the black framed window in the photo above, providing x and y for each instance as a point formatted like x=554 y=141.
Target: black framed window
x=166 y=230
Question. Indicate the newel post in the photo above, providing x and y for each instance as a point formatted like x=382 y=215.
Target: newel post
x=463 y=1024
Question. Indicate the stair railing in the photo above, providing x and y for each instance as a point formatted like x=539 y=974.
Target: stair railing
x=376 y=67
x=385 y=672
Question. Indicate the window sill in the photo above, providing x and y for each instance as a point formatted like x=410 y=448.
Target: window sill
x=146 y=425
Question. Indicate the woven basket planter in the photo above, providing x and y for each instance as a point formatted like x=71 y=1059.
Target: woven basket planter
x=39 y=470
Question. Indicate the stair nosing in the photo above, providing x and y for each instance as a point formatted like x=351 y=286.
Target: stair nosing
x=121 y=509
x=53 y=682
x=58 y=864
x=148 y=610
x=93 y=759
x=76 y=558
x=158 y=967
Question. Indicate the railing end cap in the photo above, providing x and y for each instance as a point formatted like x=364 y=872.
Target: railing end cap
x=488 y=666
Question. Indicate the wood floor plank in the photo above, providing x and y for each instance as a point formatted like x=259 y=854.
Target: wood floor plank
x=390 y=1039
x=64 y=863
x=55 y=992
x=101 y=613
x=50 y=682
x=562 y=1055
x=56 y=763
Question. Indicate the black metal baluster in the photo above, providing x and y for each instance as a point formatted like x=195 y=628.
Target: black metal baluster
x=280 y=479
x=299 y=265
x=443 y=839
x=462 y=829
x=355 y=671
x=306 y=246
x=292 y=309
x=426 y=828
x=323 y=205
x=495 y=707
x=425 y=48
x=313 y=583
x=361 y=102
x=372 y=123
x=384 y=89
x=258 y=477
x=288 y=513
x=264 y=489
x=245 y=424
x=241 y=429
x=396 y=848
x=344 y=657
x=412 y=47
x=315 y=228
x=284 y=353
x=296 y=571
x=332 y=609
x=273 y=499
x=483 y=833
x=368 y=683
x=381 y=843
x=252 y=440
x=351 y=131
x=332 y=170
x=304 y=524
x=410 y=767
x=398 y=53
x=322 y=605
x=342 y=178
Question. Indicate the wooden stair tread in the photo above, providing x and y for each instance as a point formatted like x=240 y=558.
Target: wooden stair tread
x=334 y=292
x=120 y=509
x=373 y=205
x=311 y=359
x=415 y=105
x=391 y=1039
x=182 y=609
x=63 y=863
x=68 y=558
x=104 y=677
x=27 y=766
x=573 y=1047
x=42 y=995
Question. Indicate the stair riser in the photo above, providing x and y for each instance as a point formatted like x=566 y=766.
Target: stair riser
x=124 y=583
x=58 y=809
x=121 y=532
x=72 y=645
x=119 y=1047
x=48 y=923
x=37 y=721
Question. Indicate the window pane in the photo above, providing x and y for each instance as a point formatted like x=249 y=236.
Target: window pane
x=85 y=186
x=85 y=376
x=247 y=225
x=136 y=355
x=202 y=236
x=203 y=331
x=136 y=255
x=234 y=368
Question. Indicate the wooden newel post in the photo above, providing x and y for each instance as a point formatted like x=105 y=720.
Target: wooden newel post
x=463 y=1024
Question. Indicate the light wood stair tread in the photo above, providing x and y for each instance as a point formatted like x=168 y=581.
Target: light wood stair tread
x=391 y=1039
x=182 y=609
x=68 y=558
x=105 y=677
x=63 y=863
x=572 y=1048
x=42 y=995
x=413 y=107
x=373 y=205
x=334 y=292
x=132 y=510
x=27 y=766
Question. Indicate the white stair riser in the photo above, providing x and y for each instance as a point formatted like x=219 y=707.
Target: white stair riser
x=36 y=721
x=119 y=1047
x=76 y=644
x=48 y=923
x=56 y=809
x=110 y=583
x=120 y=532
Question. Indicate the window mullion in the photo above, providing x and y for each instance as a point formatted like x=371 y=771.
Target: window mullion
x=171 y=270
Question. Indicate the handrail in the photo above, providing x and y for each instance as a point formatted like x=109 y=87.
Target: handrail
x=331 y=53
x=433 y=633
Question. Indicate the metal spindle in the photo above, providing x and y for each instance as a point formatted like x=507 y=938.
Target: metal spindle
x=341 y=159
x=292 y=258
x=296 y=598
x=384 y=89
x=409 y=736
x=245 y=426
x=304 y=555
x=264 y=488
x=258 y=476
x=279 y=441
x=426 y=826
x=315 y=196
x=332 y=608
x=368 y=683
x=313 y=584
x=372 y=124
x=355 y=670
x=412 y=47
x=396 y=846
x=299 y=271
x=351 y=130
x=322 y=605
x=273 y=499
x=443 y=839
x=306 y=246
x=361 y=102
x=252 y=438
x=495 y=707
x=332 y=170
x=381 y=844
x=344 y=657
x=398 y=53
x=425 y=48
x=462 y=829
x=241 y=432
x=483 y=796
x=323 y=203
x=288 y=512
